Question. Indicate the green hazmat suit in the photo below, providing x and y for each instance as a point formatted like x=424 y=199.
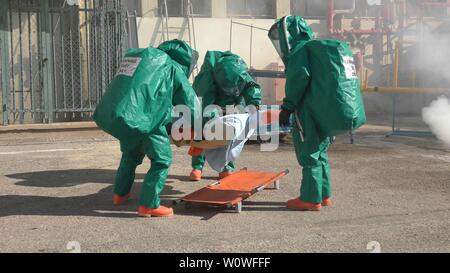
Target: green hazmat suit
x=323 y=93
x=224 y=80
x=137 y=107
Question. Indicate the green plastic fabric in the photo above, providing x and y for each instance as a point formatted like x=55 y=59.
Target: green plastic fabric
x=321 y=75
x=329 y=86
x=312 y=155
x=292 y=31
x=198 y=162
x=224 y=80
x=323 y=90
x=181 y=53
x=133 y=106
x=156 y=147
x=137 y=107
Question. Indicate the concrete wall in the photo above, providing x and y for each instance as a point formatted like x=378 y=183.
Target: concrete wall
x=214 y=34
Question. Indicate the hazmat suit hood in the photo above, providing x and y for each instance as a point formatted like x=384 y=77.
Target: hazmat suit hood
x=230 y=74
x=181 y=53
x=287 y=33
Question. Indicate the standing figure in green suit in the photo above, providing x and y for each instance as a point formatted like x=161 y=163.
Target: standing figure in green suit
x=323 y=94
x=223 y=81
x=136 y=109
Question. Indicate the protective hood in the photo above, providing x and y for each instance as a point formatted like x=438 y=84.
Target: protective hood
x=287 y=33
x=230 y=74
x=182 y=53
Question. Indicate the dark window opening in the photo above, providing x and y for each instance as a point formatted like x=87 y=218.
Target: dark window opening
x=251 y=8
x=179 y=8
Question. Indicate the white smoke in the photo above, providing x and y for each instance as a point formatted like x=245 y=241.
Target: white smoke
x=431 y=59
x=437 y=116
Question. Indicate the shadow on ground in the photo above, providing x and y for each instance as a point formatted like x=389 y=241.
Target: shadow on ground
x=186 y=178
x=65 y=178
x=98 y=204
x=208 y=212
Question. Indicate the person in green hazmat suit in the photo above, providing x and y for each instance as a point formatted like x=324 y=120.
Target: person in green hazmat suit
x=223 y=81
x=323 y=94
x=136 y=109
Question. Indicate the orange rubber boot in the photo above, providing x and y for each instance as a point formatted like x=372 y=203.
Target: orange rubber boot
x=162 y=211
x=297 y=204
x=120 y=200
x=225 y=174
x=196 y=175
x=326 y=202
x=193 y=151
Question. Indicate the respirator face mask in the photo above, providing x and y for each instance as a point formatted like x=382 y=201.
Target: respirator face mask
x=234 y=91
x=274 y=36
x=280 y=39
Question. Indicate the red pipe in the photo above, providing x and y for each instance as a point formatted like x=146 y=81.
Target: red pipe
x=368 y=31
x=330 y=17
x=436 y=4
x=336 y=33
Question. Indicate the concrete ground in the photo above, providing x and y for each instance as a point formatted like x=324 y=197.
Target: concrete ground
x=56 y=188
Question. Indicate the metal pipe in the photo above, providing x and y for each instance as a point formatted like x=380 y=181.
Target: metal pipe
x=72 y=72
x=403 y=90
x=22 y=87
x=394 y=112
x=63 y=57
x=330 y=17
x=435 y=4
x=366 y=79
x=193 y=31
x=396 y=63
x=251 y=44
x=330 y=22
x=87 y=53
x=332 y=12
x=231 y=32
x=4 y=62
x=247 y=25
x=187 y=17
x=166 y=12
x=40 y=72
x=52 y=35
x=397 y=60
x=30 y=60
x=11 y=38
x=81 y=62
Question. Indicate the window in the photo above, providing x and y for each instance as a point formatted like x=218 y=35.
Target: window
x=310 y=8
x=133 y=6
x=178 y=8
x=251 y=8
x=416 y=9
x=319 y=8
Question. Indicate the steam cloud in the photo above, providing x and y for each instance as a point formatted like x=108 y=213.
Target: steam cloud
x=437 y=116
x=432 y=57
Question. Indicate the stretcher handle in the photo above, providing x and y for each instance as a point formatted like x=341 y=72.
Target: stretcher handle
x=262 y=187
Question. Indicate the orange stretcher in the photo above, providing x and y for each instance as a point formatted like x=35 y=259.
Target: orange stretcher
x=232 y=190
